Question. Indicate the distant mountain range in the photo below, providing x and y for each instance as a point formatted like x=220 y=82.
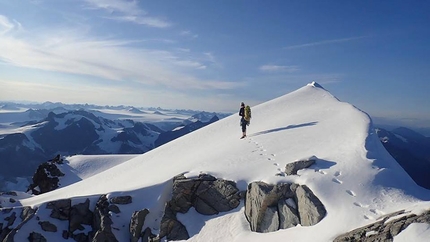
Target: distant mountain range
x=32 y=136
x=411 y=150
x=320 y=174
x=41 y=131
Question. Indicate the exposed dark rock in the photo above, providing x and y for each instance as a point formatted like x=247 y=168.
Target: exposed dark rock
x=121 y=200
x=114 y=208
x=104 y=236
x=10 y=193
x=48 y=226
x=382 y=230
x=4 y=232
x=57 y=160
x=170 y=227
x=102 y=222
x=8 y=233
x=46 y=177
x=148 y=236
x=81 y=237
x=11 y=219
x=80 y=214
x=65 y=234
x=6 y=210
x=292 y=168
x=27 y=212
x=60 y=209
x=136 y=223
x=36 y=237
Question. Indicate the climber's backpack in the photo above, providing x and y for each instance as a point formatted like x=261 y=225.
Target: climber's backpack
x=247 y=113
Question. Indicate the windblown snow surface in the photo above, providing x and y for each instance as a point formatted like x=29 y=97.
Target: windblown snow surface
x=355 y=177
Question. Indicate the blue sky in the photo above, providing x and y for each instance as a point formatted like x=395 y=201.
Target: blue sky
x=211 y=55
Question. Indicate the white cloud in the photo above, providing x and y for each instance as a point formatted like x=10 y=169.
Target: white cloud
x=149 y=21
x=128 y=11
x=5 y=25
x=189 y=34
x=277 y=68
x=126 y=7
x=183 y=49
x=73 y=52
x=210 y=58
x=324 y=42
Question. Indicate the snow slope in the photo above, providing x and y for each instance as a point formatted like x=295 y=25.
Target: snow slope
x=355 y=178
x=80 y=167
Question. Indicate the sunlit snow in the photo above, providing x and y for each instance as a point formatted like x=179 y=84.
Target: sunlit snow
x=354 y=176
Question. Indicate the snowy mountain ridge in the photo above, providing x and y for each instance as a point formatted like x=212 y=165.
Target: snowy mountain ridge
x=82 y=132
x=354 y=176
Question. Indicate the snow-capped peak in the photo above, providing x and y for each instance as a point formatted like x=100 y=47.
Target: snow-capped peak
x=354 y=176
x=315 y=84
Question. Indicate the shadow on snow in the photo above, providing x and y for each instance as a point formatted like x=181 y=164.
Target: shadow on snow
x=293 y=126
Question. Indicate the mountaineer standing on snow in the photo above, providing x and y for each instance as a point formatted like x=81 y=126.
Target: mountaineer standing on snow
x=245 y=113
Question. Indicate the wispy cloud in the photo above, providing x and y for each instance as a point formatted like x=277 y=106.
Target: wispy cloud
x=126 y=7
x=189 y=34
x=77 y=53
x=128 y=11
x=149 y=21
x=277 y=68
x=324 y=42
x=5 y=25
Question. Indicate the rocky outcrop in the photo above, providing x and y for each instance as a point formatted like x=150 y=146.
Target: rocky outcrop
x=46 y=177
x=310 y=208
x=80 y=215
x=170 y=226
x=292 y=168
x=136 y=224
x=383 y=230
x=207 y=194
x=36 y=237
x=60 y=209
x=48 y=226
x=7 y=231
x=121 y=200
x=102 y=222
x=269 y=208
x=137 y=233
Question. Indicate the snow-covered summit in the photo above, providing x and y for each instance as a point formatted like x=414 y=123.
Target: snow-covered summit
x=315 y=84
x=354 y=176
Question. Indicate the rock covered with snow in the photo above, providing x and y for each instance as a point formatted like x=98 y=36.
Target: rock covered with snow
x=388 y=227
x=293 y=167
x=46 y=177
x=207 y=194
x=269 y=208
x=315 y=84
